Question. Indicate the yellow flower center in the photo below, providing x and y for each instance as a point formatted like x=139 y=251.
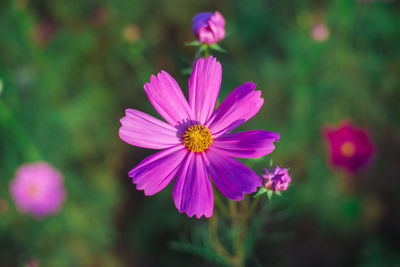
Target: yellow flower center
x=347 y=149
x=197 y=138
x=33 y=190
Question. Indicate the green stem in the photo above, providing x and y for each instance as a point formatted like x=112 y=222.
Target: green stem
x=238 y=215
x=253 y=206
x=237 y=260
x=221 y=205
x=22 y=139
x=215 y=243
x=206 y=51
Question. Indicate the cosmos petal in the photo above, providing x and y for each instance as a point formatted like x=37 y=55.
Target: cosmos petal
x=240 y=105
x=167 y=98
x=142 y=130
x=204 y=85
x=193 y=191
x=157 y=171
x=250 y=144
x=230 y=176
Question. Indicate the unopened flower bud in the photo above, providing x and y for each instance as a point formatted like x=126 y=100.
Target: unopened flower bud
x=209 y=27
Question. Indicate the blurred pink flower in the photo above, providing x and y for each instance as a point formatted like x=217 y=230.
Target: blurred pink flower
x=38 y=189
x=98 y=16
x=44 y=31
x=209 y=27
x=320 y=32
x=349 y=147
x=277 y=180
x=32 y=263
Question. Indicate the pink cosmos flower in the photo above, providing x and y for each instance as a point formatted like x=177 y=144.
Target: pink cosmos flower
x=44 y=31
x=38 y=189
x=277 y=180
x=349 y=147
x=195 y=141
x=209 y=27
x=32 y=263
x=320 y=32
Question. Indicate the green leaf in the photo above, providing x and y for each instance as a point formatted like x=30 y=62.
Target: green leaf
x=186 y=71
x=270 y=193
x=200 y=51
x=216 y=47
x=271 y=163
x=260 y=191
x=194 y=43
x=279 y=193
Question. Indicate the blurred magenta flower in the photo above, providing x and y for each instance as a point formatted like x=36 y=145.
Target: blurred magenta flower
x=44 y=31
x=277 y=180
x=32 y=263
x=38 y=189
x=320 y=32
x=349 y=147
x=99 y=16
x=196 y=142
x=209 y=27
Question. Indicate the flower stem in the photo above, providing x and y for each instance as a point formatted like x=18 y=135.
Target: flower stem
x=215 y=243
x=238 y=258
x=253 y=206
x=22 y=139
x=238 y=214
x=206 y=51
x=221 y=205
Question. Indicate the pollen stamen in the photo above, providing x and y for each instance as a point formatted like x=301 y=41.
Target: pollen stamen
x=197 y=138
x=347 y=149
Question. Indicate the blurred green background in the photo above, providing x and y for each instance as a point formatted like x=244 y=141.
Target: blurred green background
x=69 y=69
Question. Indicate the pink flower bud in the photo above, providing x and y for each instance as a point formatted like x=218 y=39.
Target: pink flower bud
x=277 y=180
x=209 y=27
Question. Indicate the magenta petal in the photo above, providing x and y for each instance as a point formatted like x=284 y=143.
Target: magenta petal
x=209 y=27
x=201 y=21
x=251 y=144
x=156 y=171
x=193 y=191
x=204 y=84
x=217 y=25
x=230 y=176
x=167 y=98
x=240 y=105
x=142 y=130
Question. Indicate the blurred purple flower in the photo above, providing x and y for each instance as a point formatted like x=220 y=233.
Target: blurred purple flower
x=99 y=16
x=320 y=32
x=209 y=27
x=349 y=147
x=32 y=263
x=277 y=180
x=44 y=31
x=196 y=142
x=38 y=189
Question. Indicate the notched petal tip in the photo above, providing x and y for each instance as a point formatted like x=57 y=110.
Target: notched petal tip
x=197 y=215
